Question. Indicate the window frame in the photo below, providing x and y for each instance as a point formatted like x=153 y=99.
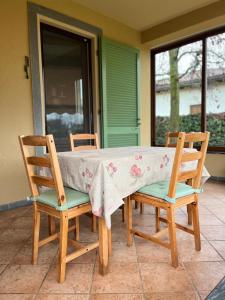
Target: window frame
x=182 y=42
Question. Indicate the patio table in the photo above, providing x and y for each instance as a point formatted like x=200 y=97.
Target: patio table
x=111 y=174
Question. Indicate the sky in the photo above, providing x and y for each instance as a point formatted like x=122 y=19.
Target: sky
x=187 y=55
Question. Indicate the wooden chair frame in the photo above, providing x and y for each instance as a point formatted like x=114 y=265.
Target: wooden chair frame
x=169 y=136
x=176 y=176
x=174 y=135
x=55 y=182
x=81 y=137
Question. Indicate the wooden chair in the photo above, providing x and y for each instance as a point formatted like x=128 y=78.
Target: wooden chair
x=57 y=202
x=172 y=194
x=171 y=141
x=82 y=137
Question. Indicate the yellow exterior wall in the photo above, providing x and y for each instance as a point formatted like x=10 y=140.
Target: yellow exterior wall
x=16 y=115
x=215 y=163
x=145 y=97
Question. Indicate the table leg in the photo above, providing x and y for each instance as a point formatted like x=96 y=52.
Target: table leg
x=103 y=247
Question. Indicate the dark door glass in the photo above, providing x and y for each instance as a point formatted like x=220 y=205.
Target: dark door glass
x=66 y=59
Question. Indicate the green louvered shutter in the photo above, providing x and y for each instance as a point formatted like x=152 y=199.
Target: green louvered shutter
x=120 y=101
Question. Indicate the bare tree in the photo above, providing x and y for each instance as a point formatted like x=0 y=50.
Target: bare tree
x=175 y=56
x=174 y=90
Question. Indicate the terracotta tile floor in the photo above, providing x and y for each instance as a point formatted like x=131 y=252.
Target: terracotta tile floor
x=142 y=271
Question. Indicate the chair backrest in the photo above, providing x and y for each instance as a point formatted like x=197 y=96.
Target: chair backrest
x=171 y=140
x=49 y=161
x=182 y=156
x=86 y=136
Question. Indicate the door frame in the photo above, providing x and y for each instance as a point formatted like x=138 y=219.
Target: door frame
x=39 y=14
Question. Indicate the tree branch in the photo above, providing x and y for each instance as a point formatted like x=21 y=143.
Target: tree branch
x=220 y=56
x=192 y=67
x=188 y=52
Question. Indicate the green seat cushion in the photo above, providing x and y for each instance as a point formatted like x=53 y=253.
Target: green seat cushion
x=160 y=190
x=73 y=198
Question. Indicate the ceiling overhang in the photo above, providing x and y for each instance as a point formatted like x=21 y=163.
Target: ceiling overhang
x=205 y=13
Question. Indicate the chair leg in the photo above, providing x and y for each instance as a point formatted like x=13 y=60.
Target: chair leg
x=77 y=229
x=157 y=221
x=141 y=208
x=110 y=241
x=172 y=236
x=51 y=225
x=94 y=223
x=129 y=221
x=196 y=226
x=63 y=245
x=36 y=231
x=189 y=213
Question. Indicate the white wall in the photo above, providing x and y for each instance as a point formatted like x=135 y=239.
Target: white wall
x=192 y=96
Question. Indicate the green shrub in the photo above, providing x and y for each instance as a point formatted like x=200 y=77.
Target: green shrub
x=215 y=124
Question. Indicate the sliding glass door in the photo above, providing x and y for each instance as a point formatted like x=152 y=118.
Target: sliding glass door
x=66 y=61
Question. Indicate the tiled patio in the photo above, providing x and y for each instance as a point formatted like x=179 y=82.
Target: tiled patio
x=140 y=272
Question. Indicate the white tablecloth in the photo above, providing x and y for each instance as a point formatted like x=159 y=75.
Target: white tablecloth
x=109 y=175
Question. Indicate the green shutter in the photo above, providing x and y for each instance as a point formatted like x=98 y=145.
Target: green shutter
x=120 y=95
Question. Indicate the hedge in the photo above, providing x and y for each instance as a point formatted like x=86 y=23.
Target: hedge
x=215 y=124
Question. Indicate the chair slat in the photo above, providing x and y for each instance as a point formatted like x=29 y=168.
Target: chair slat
x=34 y=140
x=39 y=161
x=191 y=156
x=195 y=137
x=85 y=136
x=173 y=134
x=43 y=181
x=171 y=145
x=183 y=176
x=86 y=147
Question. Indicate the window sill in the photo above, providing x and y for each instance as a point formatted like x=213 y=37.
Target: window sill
x=211 y=150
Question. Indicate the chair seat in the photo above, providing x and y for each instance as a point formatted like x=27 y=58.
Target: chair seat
x=73 y=199
x=160 y=190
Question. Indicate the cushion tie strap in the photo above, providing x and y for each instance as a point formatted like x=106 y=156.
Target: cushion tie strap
x=173 y=200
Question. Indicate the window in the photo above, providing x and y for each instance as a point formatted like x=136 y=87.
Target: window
x=188 y=88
